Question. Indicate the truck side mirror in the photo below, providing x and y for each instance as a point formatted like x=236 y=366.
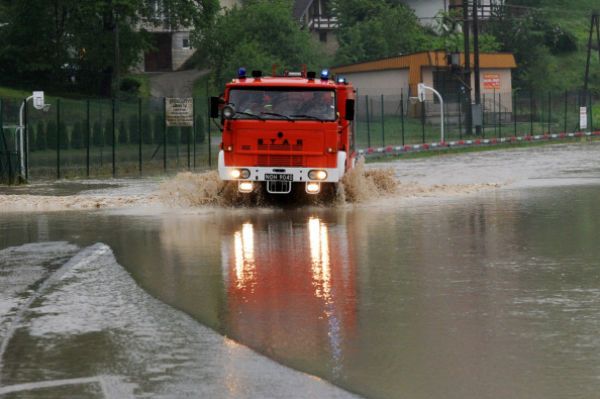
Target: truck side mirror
x=349 y=109
x=214 y=107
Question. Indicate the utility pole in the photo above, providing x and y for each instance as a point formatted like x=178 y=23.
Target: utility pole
x=116 y=70
x=595 y=23
x=467 y=70
x=476 y=67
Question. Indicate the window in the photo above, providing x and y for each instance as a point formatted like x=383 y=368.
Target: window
x=186 y=43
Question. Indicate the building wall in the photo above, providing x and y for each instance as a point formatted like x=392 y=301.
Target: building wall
x=380 y=82
x=181 y=53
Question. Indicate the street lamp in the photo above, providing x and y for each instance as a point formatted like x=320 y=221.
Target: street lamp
x=421 y=95
x=38 y=103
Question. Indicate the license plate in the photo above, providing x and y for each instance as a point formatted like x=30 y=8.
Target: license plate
x=278 y=177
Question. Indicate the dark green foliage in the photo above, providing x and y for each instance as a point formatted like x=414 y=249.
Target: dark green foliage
x=200 y=129
x=64 y=136
x=54 y=42
x=40 y=136
x=186 y=135
x=158 y=129
x=373 y=29
x=133 y=129
x=173 y=135
x=77 y=136
x=97 y=134
x=108 y=132
x=147 y=129
x=51 y=134
x=123 y=133
x=130 y=85
x=257 y=35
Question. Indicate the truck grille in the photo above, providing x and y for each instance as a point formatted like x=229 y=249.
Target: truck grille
x=281 y=160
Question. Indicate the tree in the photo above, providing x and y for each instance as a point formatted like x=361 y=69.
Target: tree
x=373 y=29
x=52 y=41
x=257 y=35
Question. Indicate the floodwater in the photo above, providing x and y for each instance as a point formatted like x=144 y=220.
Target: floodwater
x=495 y=294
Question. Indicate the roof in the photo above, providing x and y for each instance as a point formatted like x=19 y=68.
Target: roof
x=300 y=8
x=427 y=58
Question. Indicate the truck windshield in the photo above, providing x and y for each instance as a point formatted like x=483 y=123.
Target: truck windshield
x=283 y=103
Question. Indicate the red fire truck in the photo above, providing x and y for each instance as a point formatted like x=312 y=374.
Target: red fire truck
x=285 y=131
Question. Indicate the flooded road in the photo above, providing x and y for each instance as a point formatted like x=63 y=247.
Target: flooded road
x=488 y=295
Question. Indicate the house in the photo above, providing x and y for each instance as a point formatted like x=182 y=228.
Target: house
x=427 y=10
x=318 y=18
x=398 y=77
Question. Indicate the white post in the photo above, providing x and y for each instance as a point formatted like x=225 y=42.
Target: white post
x=38 y=103
x=421 y=87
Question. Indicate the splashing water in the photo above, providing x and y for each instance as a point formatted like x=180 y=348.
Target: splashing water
x=200 y=189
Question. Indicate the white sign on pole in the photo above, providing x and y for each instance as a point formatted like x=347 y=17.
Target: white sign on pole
x=180 y=112
x=421 y=92
x=38 y=100
x=583 y=118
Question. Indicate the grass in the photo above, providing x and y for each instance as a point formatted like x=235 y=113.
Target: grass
x=465 y=150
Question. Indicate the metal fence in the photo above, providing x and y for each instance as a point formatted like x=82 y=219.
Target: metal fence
x=104 y=138
x=384 y=120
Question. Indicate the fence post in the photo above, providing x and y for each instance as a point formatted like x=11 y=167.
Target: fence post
x=460 y=100
x=58 y=139
x=382 y=122
x=194 y=129
x=591 y=124
x=423 y=121
x=402 y=113
x=566 y=110
x=368 y=121
x=140 y=140
x=549 y=112
x=88 y=136
x=531 y=112
x=500 y=115
x=515 y=109
x=483 y=116
x=26 y=140
x=165 y=134
x=208 y=128
x=114 y=137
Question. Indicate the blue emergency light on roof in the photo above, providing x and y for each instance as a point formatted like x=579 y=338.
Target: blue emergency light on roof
x=325 y=74
x=242 y=73
x=341 y=79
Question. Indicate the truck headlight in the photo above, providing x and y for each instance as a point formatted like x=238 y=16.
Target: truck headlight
x=228 y=112
x=245 y=187
x=317 y=175
x=239 y=173
x=313 y=187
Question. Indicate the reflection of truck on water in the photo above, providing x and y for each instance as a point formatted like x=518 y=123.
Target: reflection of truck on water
x=285 y=132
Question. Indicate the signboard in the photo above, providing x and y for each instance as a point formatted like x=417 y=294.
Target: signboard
x=583 y=118
x=491 y=81
x=180 y=112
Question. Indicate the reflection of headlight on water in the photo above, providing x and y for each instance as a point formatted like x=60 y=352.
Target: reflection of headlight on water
x=319 y=255
x=244 y=255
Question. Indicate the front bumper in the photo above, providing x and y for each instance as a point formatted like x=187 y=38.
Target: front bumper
x=257 y=173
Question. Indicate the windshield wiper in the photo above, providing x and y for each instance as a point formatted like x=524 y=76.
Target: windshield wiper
x=275 y=114
x=250 y=114
x=308 y=117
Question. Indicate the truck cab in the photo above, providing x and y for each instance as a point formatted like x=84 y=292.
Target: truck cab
x=281 y=131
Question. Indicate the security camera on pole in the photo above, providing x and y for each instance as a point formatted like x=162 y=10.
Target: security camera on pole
x=421 y=95
x=39 y=103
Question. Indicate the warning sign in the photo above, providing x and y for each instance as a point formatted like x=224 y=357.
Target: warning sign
x=583 y=118
x=179 y=112
x=491 y=81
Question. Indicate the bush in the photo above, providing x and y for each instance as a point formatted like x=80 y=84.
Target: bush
x=40 y=136
x=130 y=85
x=108 y=132
x=200 y=132
x=97 y=135
x=134 y=135
x=147 y=129
x=123 y=134
x=158 y=129
x=77 y=136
